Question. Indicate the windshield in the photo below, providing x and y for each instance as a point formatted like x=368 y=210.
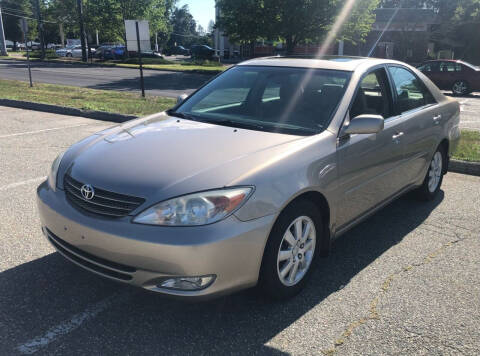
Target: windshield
x=470 y=65
x=296 y=101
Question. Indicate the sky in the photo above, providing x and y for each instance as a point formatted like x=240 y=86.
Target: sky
x=202 y=10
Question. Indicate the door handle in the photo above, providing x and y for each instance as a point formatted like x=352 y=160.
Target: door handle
x=436 y=119
x=397 y=136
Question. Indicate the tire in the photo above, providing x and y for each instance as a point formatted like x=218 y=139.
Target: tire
x=279 y=252
x=434 y=177
x=68 y=55
x=460 y=87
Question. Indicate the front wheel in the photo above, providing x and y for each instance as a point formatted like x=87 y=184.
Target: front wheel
x=291 y=250
x=460 y=87
x=434 y=178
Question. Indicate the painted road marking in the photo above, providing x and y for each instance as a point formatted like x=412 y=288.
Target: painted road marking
x=73 y=323
x=18 y=184
x=44 y=130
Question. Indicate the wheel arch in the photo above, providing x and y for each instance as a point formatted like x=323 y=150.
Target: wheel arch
x=321 y=201
x=445 y=146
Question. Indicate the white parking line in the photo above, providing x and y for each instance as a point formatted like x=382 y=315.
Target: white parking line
x=40 y=131
x=18 y=184
x=73 y=323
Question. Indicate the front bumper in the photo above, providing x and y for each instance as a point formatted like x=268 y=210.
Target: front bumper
x=145 y=255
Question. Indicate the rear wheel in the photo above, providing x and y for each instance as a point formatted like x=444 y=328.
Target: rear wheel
x=68 y=55
x=291 y=250
x=460 y=87
x=433 y=180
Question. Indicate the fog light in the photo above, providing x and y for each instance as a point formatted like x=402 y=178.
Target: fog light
x=188 y=283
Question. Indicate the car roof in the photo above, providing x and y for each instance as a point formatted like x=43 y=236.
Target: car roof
x=344 y=63
x=443 y=60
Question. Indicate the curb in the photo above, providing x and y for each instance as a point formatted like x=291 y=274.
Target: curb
x=113 y=65
x=62 y=110
x=465 y=167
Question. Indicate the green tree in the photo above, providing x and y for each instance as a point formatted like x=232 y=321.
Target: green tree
x=107 y=16
x=184 y=28
x=463 y=28
x=243 y=21
x=11 y=20
x=293 y=21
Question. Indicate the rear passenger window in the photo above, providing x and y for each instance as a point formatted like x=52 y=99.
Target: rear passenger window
x=411 y=92
x=372 y=96
x=450 y=67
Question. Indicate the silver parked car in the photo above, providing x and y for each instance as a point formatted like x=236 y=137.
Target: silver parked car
x=249 y=179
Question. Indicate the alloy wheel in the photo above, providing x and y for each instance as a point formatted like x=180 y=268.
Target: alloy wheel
x=296 y=251
x=460 y=87
x=435 y=172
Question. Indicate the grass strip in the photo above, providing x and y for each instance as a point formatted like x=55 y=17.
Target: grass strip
x=469 y=147
x=84 y=98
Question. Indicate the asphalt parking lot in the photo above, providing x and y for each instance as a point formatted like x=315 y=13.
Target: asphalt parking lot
x=406 y=281
x=470 y=108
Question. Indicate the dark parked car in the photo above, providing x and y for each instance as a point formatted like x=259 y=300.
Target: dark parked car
x=110 y=52
x=460 y=77
x=179 y=50
x=151 y=54
x=202 y=52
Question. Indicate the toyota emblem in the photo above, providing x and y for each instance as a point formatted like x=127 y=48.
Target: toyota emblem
x=87 y=191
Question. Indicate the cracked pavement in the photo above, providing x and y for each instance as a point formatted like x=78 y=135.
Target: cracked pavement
x=406 y=281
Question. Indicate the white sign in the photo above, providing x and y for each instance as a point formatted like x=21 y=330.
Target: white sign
x=131 y=32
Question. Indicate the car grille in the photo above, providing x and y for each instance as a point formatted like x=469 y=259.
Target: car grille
x=104 y=202
x=94 y=263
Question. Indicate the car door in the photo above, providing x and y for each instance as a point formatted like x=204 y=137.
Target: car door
x=370 y=164
x=421 y=116
x=447 y=75
x=77 y=52
x=432 y=71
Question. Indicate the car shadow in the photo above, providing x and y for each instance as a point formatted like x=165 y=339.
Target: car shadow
x=471 y=95
x=37 y=295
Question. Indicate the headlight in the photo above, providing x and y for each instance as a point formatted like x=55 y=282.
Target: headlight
x=195 y=209
x=52 y=177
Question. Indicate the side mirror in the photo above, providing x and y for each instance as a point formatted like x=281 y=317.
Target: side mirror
x=365 y=124
x=181 y=98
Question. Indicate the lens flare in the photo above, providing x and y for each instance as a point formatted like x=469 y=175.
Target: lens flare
x=342 y=17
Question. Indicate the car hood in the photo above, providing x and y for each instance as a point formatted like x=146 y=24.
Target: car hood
x=162 y=156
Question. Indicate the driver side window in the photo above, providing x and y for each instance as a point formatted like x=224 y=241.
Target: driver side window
x=373 y=96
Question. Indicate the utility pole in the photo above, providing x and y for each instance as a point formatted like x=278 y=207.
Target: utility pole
x=62 y=34
x=82 y=31
x=3 y=45
x=40 y=29
x=142 y=84
x=24 y=25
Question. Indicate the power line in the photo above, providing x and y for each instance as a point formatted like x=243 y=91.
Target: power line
x=26 y=17
x=17 y=11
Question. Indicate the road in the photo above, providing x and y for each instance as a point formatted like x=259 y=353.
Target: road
x=406 y=281
x=161 y=83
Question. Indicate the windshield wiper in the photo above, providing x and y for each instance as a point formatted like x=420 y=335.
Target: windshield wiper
x=239 y=124
x=182 y=115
